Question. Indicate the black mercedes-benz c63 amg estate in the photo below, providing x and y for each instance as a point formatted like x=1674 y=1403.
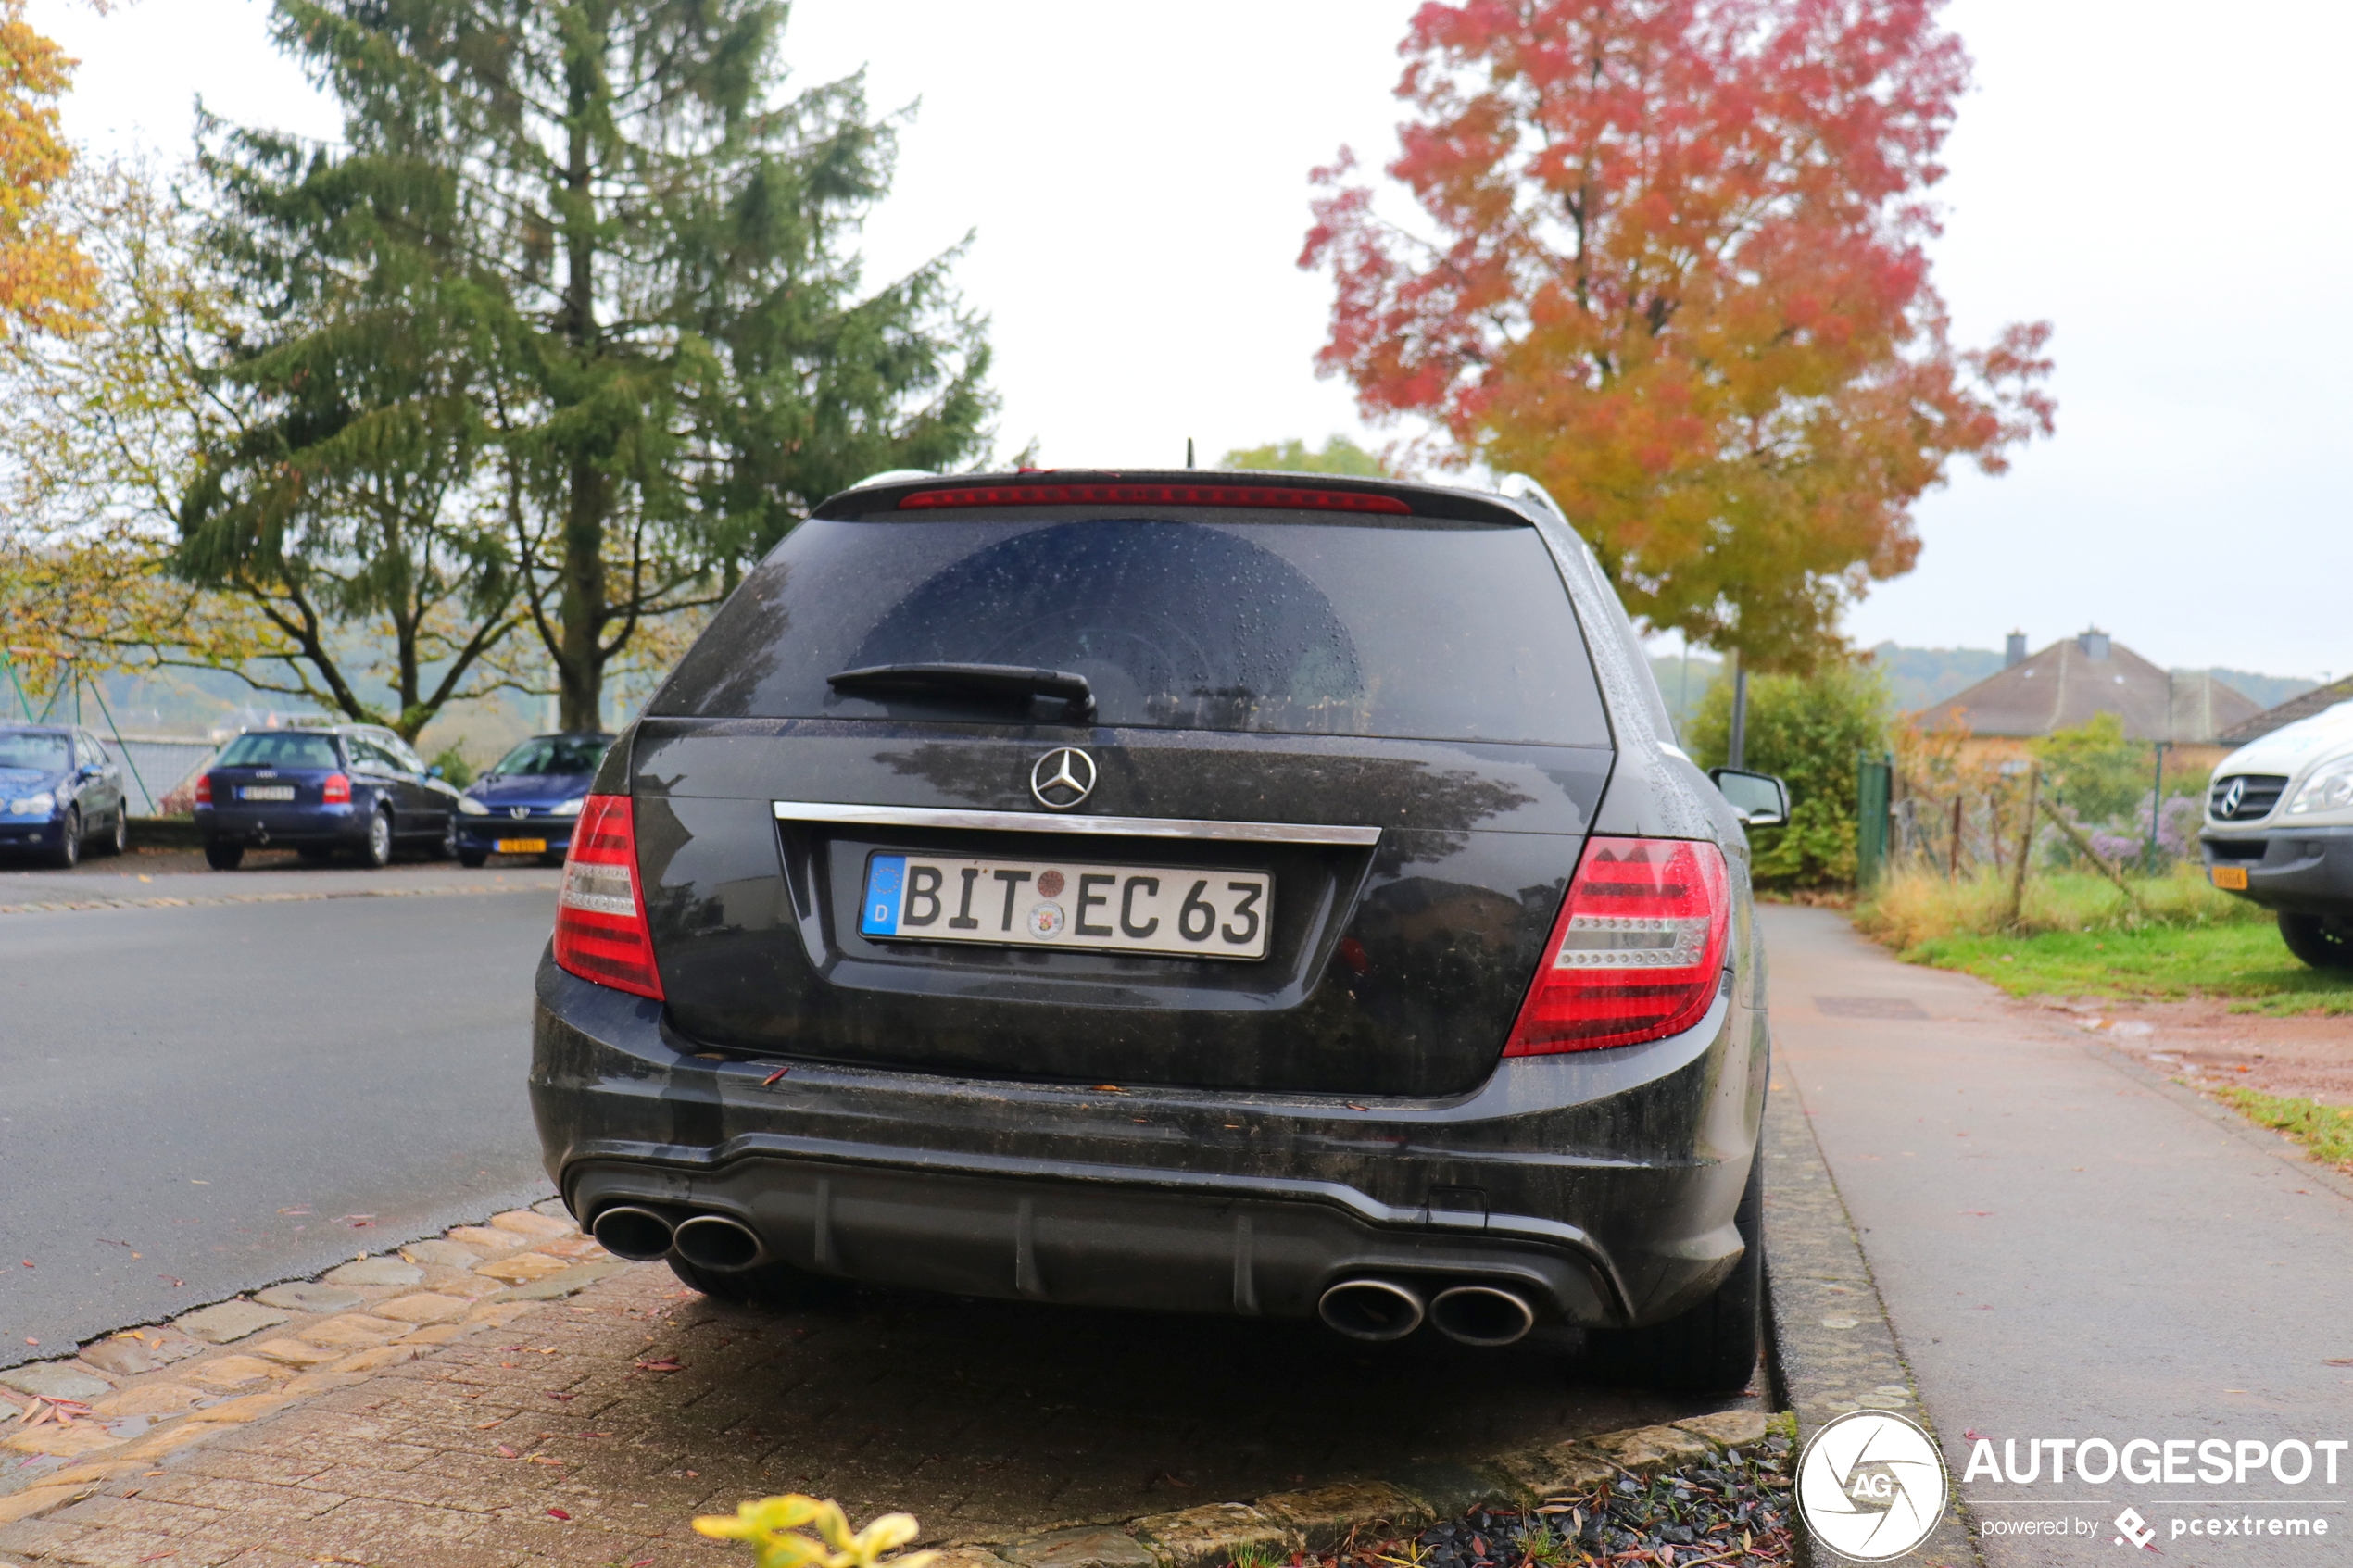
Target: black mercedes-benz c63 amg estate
x=1271 y=894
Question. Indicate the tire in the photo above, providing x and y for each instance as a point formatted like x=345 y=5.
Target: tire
x=450 y=840
x=119 y=841
x=1713 y=1348
x=2317 y=940
x=776 y=1287
x=223 y=856
x=376 y=854
x=472 y=860
x=67 y=854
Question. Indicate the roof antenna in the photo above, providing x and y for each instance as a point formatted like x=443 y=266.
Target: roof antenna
x=1188 y=451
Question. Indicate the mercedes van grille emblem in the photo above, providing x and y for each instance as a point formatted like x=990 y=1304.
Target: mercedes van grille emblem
x=1063 y=778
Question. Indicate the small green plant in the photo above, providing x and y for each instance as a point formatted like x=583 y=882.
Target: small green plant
x=454 y=766
x=1254 y=1556
x=2326 y=1130
x=772 y=1526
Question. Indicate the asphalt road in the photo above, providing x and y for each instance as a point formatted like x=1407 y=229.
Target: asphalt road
x=203 y=1099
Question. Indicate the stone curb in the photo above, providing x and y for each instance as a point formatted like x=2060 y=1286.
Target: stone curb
x=1316 y=1519
x=1832 y=1346
x=206 y=901
x=133 y=1399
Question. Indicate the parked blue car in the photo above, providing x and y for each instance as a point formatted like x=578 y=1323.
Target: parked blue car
x=528 y=804
x=349 y=787
x=58 y=791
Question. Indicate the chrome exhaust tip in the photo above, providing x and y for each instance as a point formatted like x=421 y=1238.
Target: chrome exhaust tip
x=1481 y=1314
x=717 y=1242
x=638 y=1234
x=1374 y=1309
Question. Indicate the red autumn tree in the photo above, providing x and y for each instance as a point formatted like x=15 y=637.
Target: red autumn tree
x=1678 y=276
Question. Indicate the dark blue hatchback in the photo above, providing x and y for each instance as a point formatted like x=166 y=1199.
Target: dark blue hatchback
x=529 y=803
x=351 y=787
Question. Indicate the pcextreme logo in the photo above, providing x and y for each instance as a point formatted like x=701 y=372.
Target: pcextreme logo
x=1871 y=1485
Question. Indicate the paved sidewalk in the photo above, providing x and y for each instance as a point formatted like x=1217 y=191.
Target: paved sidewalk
x=125 y=884
x=592 y=1429
x=2069 y=1247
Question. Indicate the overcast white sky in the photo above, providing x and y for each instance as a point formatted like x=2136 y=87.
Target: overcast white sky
x=2164 y=182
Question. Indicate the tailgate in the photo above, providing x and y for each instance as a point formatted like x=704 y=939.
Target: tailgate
x=1395 y=954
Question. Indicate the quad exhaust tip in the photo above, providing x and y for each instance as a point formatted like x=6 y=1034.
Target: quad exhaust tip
x=716 y=1242
x=638 y=1234
x=1372 y=1310
x=1481 y=1314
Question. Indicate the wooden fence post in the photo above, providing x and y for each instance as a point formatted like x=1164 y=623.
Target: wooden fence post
x=2025 y=843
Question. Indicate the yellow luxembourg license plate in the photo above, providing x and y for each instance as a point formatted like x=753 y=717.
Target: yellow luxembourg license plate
x=2233 y=877
x=523 y=846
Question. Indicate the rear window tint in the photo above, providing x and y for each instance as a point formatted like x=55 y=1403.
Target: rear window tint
x=1441 y=630
x=280 y=751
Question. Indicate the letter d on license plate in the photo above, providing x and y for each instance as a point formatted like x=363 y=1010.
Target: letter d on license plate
x=1178 y=911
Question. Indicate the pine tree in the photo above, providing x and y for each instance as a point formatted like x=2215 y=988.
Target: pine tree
x=648 y=242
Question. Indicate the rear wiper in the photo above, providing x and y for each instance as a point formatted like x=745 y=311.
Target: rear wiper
x=1003 y=682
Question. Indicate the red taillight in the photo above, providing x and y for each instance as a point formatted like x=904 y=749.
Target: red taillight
x=600 y=916
x=1280 y=497
x=336 y=791
x=204 y=789
x=1638 y=952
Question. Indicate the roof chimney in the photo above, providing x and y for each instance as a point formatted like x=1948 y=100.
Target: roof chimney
x=2014 y=652
x=2094 y=642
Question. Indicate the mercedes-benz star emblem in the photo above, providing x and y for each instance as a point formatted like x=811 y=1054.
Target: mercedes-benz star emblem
x=1063 y=778
x=2231 y=795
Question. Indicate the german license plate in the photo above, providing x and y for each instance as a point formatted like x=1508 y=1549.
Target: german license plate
x=1165 y=909
x=2233 y=877
x=523 y=846
x=266 y=791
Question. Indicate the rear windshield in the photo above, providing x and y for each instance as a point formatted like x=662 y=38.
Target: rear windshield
x=23 y=748
x=1420 y=629
x=280 y=751
x=548 y=754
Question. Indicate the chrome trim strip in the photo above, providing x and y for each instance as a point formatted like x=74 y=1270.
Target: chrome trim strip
x=1038 y=822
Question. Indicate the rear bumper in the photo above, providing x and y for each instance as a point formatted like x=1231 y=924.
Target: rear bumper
x=1604 y=1182
x=2305 y=871
x=290 y=824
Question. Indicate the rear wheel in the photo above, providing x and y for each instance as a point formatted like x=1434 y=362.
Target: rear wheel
x=223 y=856
x=1713 y=1348
x=376 y=853
x=67 y=853
x=120 y=840
x=776 y=1287
x=2317 y=940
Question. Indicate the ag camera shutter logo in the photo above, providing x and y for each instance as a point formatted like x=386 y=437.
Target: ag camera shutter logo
x=1871 y=1485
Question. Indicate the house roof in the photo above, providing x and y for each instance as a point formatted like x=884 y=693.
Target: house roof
x=2314 y=701
x=2071 y=681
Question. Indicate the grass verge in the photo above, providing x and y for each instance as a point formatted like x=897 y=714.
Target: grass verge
x=2078 y=937
x=2326 y=1130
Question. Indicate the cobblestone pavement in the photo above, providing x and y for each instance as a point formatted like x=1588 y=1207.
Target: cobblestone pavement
x=591 y=1426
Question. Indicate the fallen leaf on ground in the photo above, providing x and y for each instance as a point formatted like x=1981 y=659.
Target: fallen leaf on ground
x=667 y=1363
x=558 y=1513
x=506 y=1452
x=558 y=1394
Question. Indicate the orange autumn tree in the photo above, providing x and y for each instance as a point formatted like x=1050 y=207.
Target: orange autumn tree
x=46 y=281
x=1673 y=268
